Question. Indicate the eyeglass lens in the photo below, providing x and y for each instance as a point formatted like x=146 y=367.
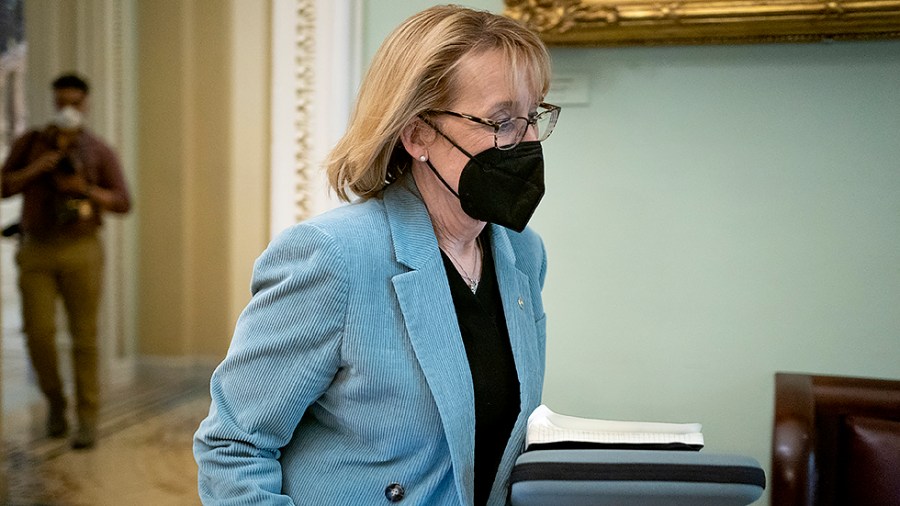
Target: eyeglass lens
x=511 y=132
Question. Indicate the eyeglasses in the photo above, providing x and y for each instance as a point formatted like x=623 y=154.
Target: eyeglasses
x=509 y=133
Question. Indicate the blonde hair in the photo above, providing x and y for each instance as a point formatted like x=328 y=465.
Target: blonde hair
x=414 y=71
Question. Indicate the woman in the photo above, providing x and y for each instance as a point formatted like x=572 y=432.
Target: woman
x=394 y=347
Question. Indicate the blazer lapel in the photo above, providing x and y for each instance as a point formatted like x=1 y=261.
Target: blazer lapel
x=430 y=318
x=515 y=293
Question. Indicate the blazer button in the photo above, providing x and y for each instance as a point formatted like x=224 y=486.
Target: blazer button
x=521 y=303
x=394 y=492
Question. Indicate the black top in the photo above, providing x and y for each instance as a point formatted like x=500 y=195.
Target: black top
x=486 y=338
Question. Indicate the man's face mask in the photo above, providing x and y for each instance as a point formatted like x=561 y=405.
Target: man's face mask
x=68 y=118
x=500 y=186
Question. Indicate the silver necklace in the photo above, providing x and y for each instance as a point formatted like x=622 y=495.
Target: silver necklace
x=472 y=281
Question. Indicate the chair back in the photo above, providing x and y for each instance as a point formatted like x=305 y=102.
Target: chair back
x=835 y=441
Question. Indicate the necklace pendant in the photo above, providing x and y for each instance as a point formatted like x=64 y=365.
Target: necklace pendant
x=473 y=285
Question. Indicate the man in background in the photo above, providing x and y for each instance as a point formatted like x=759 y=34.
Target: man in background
x=67 y=177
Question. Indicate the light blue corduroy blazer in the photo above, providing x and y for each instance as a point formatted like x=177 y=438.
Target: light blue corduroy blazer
x=347 y=373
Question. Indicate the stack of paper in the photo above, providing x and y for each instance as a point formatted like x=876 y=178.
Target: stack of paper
x=549 y=430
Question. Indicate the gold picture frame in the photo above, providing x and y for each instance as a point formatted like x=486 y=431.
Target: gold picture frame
x=649 y=22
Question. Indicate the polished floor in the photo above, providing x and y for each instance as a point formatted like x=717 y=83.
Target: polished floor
x=143 y=455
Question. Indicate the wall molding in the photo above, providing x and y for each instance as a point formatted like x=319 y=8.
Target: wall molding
x=316 y=48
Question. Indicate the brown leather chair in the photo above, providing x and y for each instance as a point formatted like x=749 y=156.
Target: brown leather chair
x=836 y=441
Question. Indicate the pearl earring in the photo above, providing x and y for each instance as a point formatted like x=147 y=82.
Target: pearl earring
x=422 y=158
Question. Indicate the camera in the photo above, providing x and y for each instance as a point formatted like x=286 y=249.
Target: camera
x=66 y=165
x=71 y=209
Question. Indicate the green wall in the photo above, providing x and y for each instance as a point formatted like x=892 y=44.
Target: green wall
x=713 y=215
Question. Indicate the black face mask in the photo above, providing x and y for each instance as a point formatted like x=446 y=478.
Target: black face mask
x=501 y=186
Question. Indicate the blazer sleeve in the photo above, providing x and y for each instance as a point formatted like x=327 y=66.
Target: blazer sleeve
x=284 y=354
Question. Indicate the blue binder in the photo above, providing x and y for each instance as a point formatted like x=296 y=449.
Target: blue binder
x=590 y=477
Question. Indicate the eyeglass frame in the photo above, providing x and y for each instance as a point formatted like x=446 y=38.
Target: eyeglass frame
x=553 y=110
